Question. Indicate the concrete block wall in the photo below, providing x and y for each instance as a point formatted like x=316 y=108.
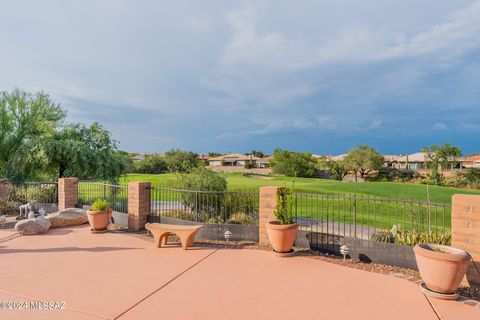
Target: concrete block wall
x=139 y=204
x=67 y=193
x=466 y=230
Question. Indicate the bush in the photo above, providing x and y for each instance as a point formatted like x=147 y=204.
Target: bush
x=383 y=236
x=293 y=164
x=152 y=164
x=7 y=208
x=472 y=177
x=202 y=179
x=411 y=237
x=249 y=165
x=100 y=205
x=181 y=161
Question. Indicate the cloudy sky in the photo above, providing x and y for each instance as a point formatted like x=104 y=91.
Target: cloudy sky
x=232 y=76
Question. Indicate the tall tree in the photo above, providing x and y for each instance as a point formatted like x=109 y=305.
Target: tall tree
x=363 y=159
x=26 y=120
x=86 y=152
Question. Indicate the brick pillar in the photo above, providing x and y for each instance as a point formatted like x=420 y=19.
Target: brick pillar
x=67 y=193
x=466 y=230
x=268 y=202
x=138 y=205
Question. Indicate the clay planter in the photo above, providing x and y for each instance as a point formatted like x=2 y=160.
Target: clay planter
x=281 y=236
x=441 y=267
x=99 y=220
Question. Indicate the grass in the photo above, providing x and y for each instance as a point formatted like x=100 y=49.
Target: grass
x=379 y=189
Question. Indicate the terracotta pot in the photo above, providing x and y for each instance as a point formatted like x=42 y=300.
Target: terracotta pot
x=281 y=236
x=441 y=267
x=99 y=220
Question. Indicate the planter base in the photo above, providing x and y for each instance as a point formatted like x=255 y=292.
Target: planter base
x=98 y=231
x=437 y=295
x=284 y=254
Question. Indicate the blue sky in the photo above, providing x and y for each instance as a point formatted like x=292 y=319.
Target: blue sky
x=232 y=76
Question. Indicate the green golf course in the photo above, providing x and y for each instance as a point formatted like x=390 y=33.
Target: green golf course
x=392 y=190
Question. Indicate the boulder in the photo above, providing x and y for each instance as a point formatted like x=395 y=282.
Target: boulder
x=67 y=217
x=32 y=226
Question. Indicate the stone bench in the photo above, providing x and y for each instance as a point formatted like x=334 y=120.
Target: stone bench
x=161 y=231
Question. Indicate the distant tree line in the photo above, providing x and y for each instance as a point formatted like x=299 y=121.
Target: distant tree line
x=175 y=160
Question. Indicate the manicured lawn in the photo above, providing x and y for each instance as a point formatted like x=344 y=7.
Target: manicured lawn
x=380 y=189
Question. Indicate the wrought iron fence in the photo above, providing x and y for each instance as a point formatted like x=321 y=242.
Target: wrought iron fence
x=211 y=207
x=381 y=229
x=41 y=192
x=364 y=216
x=116 y=195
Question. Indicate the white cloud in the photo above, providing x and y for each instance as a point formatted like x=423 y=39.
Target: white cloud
x=274 y=50
x=440 y=126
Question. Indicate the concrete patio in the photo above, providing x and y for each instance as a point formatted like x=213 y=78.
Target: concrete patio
x=122 y=276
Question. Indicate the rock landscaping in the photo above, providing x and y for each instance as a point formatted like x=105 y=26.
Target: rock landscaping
x=32 y=226
x=67 y=217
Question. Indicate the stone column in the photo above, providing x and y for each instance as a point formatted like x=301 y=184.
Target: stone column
x=138 y=205
x=268 y=202
x=466 y=230
x=67 y=193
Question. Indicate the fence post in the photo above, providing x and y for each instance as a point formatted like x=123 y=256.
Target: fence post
x=267 y=204
x=67 y=193
x=466 y=230
x=139 y=204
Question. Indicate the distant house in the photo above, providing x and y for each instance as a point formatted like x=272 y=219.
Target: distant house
x=389 y=160
x=138 y=157
x=471 y=161
x=203 y=157
x=419 y=161
x=233 y=159
x=264 y=162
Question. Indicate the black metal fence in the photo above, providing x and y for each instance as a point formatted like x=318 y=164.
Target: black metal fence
x=116 y=195
x=376 y=229
x=41 y=192
x=236 y=211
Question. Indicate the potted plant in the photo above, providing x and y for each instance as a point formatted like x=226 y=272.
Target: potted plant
x=99 y=215
x=283 y=232
x=442 y=267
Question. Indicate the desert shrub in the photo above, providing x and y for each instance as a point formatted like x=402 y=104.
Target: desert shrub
x=383 y=236
x=178 y=214
x=200 y=180
x=411 y=237
x=7 y=207
x=241 y=218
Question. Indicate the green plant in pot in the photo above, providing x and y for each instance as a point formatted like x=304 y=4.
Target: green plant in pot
x=282 y=232
x=99 y=215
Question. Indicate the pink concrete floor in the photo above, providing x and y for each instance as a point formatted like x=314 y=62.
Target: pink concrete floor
x=122 y=276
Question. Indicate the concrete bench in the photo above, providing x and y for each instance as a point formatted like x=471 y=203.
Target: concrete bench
x=161 y=231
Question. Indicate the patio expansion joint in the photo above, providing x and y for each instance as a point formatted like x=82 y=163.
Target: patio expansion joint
x=167 y=283
x=433 y=308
